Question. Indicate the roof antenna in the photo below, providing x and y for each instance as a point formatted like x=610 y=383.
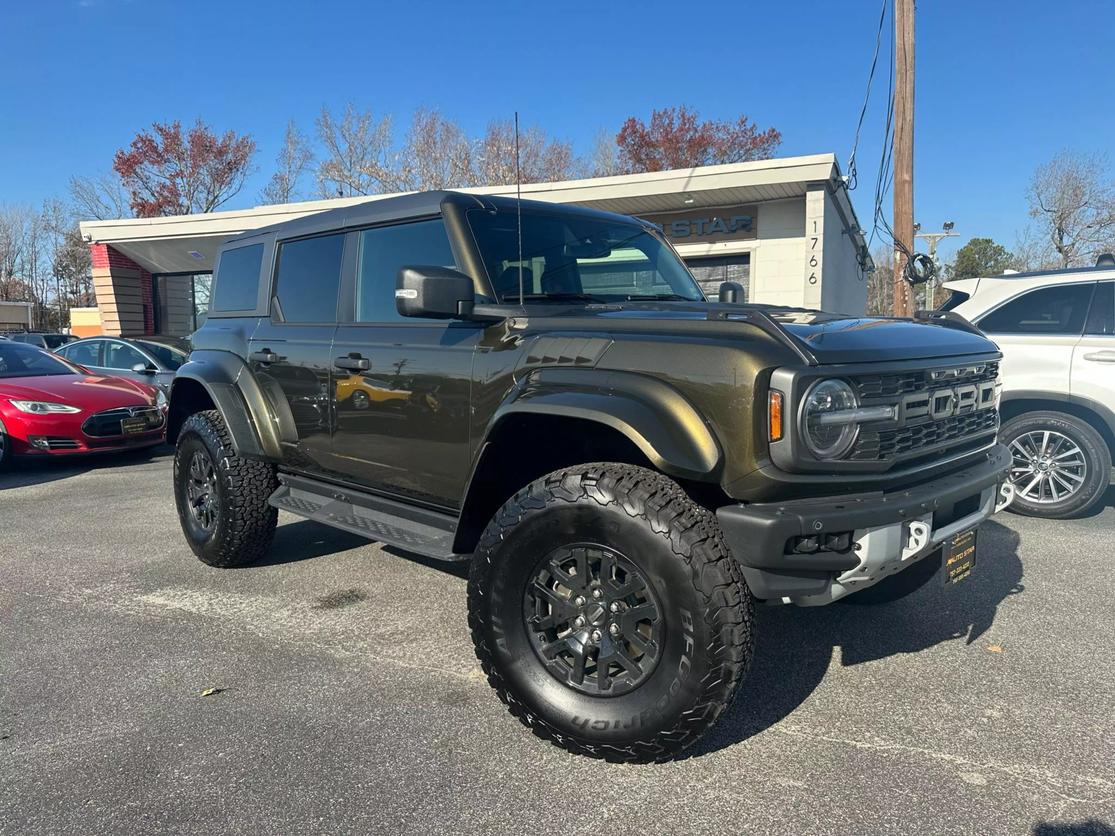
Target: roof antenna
x=519 y=207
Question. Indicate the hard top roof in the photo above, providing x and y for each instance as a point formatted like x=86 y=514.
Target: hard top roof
x=415 y=205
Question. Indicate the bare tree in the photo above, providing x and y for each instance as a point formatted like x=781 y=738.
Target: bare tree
x=294 y=157
x=880 y=283
x=1073 y=198
x=541 y=158
x=100 y=198
x=436 y=154
x=358 y=157
x=603 y=160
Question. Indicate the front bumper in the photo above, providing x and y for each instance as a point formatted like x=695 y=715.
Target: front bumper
x=889 y=531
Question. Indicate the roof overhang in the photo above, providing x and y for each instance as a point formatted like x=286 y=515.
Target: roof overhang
x=189 y=243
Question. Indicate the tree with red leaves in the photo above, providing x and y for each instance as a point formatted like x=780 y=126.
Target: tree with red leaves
x=675 y=138
x=168 y=171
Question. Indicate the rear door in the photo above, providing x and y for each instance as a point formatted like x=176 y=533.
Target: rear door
x=290 y=351
x=401 y=385
x=1037 y=332
x=1093 y=361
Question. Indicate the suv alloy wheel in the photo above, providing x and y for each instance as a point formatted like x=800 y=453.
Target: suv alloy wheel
x=1060 y=465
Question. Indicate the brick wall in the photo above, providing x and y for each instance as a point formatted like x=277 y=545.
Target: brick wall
x=123 y=291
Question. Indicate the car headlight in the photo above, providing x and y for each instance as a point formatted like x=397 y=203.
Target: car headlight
x=828 y=427
x=43 y=407
x=160 y=399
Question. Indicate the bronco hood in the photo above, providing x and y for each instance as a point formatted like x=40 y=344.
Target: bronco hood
x=833 y=338
x=823 y=338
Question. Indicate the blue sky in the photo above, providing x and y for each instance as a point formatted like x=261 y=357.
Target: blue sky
x=1002 y=86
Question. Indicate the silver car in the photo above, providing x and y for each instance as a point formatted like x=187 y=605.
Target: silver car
x=152 y=360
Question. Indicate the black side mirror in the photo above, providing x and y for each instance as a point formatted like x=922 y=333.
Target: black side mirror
x=434 y=292
x=731 y=292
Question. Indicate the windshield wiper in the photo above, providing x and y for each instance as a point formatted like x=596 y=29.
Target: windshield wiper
x=560 y=297
x=658 y=297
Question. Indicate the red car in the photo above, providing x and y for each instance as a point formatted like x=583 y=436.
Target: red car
x=51 y=407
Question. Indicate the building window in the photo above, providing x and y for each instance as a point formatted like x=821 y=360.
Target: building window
x=181 y=302
x=711 y=272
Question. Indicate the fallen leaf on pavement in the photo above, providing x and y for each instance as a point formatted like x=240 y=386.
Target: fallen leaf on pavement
x=208 y=692
x=994 y=648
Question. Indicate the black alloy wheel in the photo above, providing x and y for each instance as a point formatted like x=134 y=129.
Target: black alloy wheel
x=594 y=620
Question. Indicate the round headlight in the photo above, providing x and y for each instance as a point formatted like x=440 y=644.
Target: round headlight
x=827 y=438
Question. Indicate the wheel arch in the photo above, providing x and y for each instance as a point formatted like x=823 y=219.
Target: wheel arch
x=1099 y=417
x=649 y=425
x=220 y=380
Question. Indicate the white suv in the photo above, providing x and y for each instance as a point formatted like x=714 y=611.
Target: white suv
x=1057 y=334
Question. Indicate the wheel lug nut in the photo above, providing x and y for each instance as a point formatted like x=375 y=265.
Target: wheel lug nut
x=579 y=601
x=615 y=606
x=596 y=636
x=596 y=593
x=613 y=629
x=579 y=622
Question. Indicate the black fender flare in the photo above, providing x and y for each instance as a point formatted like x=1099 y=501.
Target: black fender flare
x=653 y=415
x=252 y=418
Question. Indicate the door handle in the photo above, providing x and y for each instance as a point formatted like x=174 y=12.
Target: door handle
x=1101 y=356
x=353 y=363
x=265 y=356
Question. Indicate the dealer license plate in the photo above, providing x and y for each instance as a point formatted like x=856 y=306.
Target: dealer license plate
x=960 y=556
x=133 y=426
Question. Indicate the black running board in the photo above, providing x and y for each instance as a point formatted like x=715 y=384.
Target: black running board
x=428 y=533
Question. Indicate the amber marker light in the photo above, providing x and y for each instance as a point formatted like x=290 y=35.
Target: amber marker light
x=774 y=413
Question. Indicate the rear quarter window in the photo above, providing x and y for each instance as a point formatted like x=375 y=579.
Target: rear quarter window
x=236 y=284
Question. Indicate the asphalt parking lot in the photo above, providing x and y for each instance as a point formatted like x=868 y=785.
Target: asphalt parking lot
x=349 y=699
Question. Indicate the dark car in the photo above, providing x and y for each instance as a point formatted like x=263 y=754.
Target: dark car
x=546 y=392
x=153 y=360
x=50 y=342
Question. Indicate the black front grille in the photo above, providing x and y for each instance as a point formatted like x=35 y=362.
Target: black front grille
x=887 y=444
x=108 y=423
x=917 y=431
x=879 y=388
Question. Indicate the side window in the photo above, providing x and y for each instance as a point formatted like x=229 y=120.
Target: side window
x=120 y=356
x=1059 y=309
x=236 y=285
x=85 y=354
x=1101 y=319
x=383 y=250
x=308 y=277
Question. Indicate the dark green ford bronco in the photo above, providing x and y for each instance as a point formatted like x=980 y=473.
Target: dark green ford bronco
x=544 y=391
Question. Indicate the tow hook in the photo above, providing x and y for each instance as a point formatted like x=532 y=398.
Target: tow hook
x=1006 y=496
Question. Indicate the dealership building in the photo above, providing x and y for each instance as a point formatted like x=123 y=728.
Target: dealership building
x=783 y=228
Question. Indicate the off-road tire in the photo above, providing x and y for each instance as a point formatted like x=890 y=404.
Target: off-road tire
x=244 y=523
x=896 y=587
x=1097 y=457
x=707 y=637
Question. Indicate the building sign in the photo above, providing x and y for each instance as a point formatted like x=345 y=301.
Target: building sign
x=706 y=226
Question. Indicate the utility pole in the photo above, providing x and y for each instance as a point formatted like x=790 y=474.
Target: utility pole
x=903 y=151
x=934 y=238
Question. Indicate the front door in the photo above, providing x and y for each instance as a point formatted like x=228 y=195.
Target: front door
x=291 y=352
x=401 y=386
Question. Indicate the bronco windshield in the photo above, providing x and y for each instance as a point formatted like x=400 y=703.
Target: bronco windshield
x=566 y=256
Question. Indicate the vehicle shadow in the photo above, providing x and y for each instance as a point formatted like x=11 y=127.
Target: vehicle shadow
x=27 y=472
x=1108 y=501
x=795 y=645
x=1088 y=827
x=304 y=540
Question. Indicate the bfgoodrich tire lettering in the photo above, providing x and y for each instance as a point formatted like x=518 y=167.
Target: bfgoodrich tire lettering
x=237 y=524
x=706 y=610
x=1024 y=435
